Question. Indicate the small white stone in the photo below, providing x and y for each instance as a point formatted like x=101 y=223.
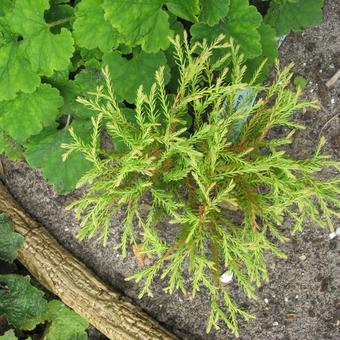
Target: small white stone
x=337 y=231
x=286 y=299
x=266 y=301
x=117 y=255
x=275 y=323
x=227 y=277
x=66 y=229
x=332 y=235
x=304 y=64
x=296 y=297
x=302 y=257
x=311 y=91
x=320 y=71
x=333 y=101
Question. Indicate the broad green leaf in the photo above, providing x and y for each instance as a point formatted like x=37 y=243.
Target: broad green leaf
x=68 y=90
x=91 y=30
x=241 y=24
x=10 y=147
x=9 y=335
x=44 y=151
x=269 y=52
x=28 y=114
x=86 y=80
x=143 y=22
x=187 y=9
x=65 y=324
x=5 y=6
x=47 y=52
x=213 y=10
x=16 y=72
x=288 y=16
x=22 y=304
x=10 y=241
x=128 y=75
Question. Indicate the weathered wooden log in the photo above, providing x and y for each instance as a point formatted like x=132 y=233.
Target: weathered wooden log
x=56 y=269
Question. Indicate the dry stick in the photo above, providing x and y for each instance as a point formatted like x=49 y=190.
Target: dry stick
x=56 y=269
x=332 y=81
x=328 y=121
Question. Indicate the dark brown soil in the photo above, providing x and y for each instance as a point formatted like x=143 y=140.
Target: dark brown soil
x=301 y=300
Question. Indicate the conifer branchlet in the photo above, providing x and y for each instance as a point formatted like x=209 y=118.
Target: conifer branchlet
x=211 y=167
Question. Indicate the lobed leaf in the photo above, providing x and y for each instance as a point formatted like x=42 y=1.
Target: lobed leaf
x=46 y=52
x=241 y=24
x=128 y=75
x=141 y=22
x=212 y=11
x=16 y=72
x=286 y=16
x=64 y=323
x=91 y=30
x=22 y=304
x=187 y=10
x=10 y=241
x=29 y=113
x=44 y=152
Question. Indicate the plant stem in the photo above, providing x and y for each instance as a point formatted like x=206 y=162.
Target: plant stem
x=60 y=22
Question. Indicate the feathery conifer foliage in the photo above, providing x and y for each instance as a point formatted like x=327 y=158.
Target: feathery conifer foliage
x=222 y=181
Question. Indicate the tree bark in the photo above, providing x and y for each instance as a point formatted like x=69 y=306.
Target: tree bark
x=56 y=269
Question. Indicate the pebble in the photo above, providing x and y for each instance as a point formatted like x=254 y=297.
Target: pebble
x=286 y=299
x=296 y=297
x=333 y=101
x=266 y=301
x=332 y=235
x=227 y=277
x=275 y=323
x=337 y=231
x=303 y=257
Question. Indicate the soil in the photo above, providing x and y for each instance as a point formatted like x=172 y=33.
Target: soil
x=300 y=301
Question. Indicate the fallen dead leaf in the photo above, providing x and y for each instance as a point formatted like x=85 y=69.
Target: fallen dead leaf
x=136 y=248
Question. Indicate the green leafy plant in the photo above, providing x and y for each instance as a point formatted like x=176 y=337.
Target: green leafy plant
x=225 y=185
x=52 y=51
x=24 y=305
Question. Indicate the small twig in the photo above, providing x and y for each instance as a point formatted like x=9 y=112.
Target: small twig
x=68 y=121
x=331 y=82
x=328 y=121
